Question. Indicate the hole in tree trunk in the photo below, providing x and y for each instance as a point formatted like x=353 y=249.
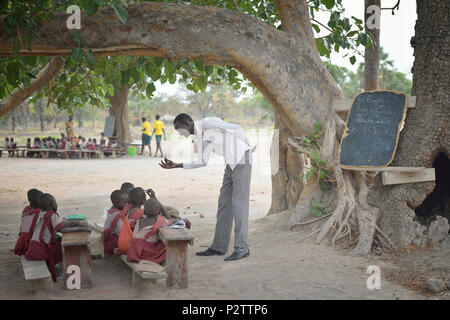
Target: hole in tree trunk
x=438 y=202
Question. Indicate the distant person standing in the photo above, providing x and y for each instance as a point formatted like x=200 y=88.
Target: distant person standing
x=158 y=131
x=102 y=141
x=146 y=136
x=69 y=128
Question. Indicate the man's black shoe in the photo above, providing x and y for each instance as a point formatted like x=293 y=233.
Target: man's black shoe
x=236 y=256
x=209 y=252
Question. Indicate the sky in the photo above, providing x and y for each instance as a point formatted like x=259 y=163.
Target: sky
x=395 y=35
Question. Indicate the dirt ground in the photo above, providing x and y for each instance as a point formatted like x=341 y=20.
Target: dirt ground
x=279 y=267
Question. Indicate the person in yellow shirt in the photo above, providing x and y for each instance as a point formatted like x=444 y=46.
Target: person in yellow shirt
x=158 y=131
x=146 y=136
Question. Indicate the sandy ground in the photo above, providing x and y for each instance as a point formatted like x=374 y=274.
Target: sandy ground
x=278 y=267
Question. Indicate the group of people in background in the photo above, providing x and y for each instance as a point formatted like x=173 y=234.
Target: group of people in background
x=10 y=145
x=64 y=143
x=147 y=134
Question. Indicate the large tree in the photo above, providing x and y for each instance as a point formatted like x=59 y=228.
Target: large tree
x=283 y=63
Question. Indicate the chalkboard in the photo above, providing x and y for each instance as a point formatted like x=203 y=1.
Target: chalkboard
x=109 y=126
x=373 y=128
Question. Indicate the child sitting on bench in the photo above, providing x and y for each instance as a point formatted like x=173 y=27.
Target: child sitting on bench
x=113 y=222
x=146 y=244
x=168 y=212
x=127 y=186
x=45 y=244
x=30 y=215
x=134 y=209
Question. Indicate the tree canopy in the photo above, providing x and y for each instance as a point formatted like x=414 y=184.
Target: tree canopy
x=87 y=79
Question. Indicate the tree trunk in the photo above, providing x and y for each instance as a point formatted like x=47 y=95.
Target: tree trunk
x=13 y=121
x=40 y=107
x=372 y=53
x=426 y=132
x=79 y=115
x=119 y=109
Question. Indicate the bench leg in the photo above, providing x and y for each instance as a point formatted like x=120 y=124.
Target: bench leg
x=176 y=264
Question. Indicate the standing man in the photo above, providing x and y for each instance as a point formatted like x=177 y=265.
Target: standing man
x=69 y=128
x=146 y=138
x=158 y=130
x=229 y=141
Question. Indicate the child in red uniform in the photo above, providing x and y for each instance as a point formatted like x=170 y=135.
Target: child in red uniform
x=146 y=244
x=45 y=244
x=30 y=215
x=134 y=210
x=166 y=213
x=113 y=222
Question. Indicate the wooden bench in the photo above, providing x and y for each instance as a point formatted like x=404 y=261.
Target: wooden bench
x=176 y=269
x=37 y=273
x=176 y=241
x=139 y=276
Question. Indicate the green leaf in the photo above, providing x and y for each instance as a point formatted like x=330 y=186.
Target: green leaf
x=150 y=89
x=322 y=47
x=199 y=64
x=309 y=174
x=363 y=39
x=16 y=46
x=121 y=12
x=76 y=37
x=92 y=7
x=322 y=173
x=77 y=54
x=314 y=155
x=316 y=27
x=89 y=57
x=317 y=127
x=352 y=59
x=323 y=186
x=328 y=3
x=28 y=41
x=125 y=76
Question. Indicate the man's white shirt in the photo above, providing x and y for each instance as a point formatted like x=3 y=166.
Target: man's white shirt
x=225 y=139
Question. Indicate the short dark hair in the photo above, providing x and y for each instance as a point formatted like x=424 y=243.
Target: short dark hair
x=143 y=119
x=157 y=117
x=118 y=197
x=33 y=197
x=137 y=196
x=152 y=207
x=127 y=186
x=47 y=202
x=183 y=119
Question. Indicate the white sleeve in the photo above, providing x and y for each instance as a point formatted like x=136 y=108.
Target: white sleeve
x=203 y=156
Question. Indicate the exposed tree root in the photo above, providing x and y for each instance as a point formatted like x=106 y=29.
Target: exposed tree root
x=353 y=223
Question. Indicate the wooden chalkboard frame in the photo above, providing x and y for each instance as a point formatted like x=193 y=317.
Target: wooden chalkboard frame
x=400 y=125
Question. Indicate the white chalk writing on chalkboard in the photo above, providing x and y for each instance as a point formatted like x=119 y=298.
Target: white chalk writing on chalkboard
x=373 y=129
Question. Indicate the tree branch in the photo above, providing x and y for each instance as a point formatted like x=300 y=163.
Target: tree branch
x=44 y=76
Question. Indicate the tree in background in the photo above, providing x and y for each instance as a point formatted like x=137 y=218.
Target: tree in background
x=352 y=83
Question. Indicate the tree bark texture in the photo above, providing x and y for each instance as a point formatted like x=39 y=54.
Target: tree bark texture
x=372 y=53
x=426 y=131
x=119 y=109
